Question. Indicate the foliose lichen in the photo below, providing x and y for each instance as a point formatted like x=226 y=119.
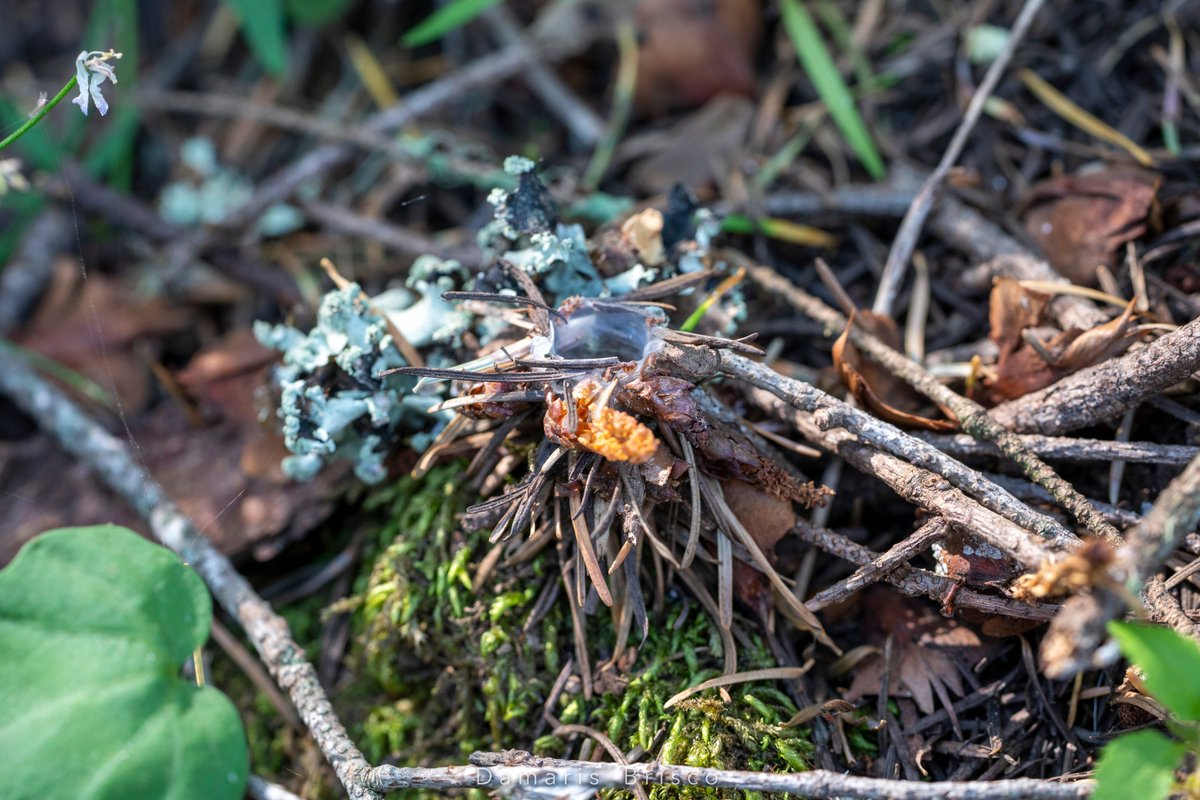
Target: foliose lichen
x=332 y=401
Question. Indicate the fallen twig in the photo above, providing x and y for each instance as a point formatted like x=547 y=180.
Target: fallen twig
x=972 y=417
x=1066 y=449
x=910 y=580
x=518 y=769
x=897 y=555
x=916 y=485
x=968 y=230
x=697 y=364
x=1074 y=640
x=111 y=459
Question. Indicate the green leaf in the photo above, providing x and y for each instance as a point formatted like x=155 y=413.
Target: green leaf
x=449 y=17
x=94 y=625
x=263 y=27
x=1171 y=663
x=821 y=70
x=1140 y=764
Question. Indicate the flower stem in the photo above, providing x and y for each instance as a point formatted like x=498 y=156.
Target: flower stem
x=43 y=111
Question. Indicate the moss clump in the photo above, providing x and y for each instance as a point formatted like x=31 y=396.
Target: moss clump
x=746 y=732
x=435 y=648
x=453 y=670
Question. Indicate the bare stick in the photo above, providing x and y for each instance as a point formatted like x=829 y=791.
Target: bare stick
x=910 y=228
x=514 y=768
x=1074 y=640
x=972 y=417
x=1107 y=389
x=910 y=580
x=918 y=486
x=898 y=555
x=268 y=632
x=1067 y=449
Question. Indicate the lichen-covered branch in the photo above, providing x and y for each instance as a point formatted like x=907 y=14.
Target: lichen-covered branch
x=972 y=417
x=918 y=486
x=1074 y=641
x=515 y=769
x=111 y=459
x=698 y=363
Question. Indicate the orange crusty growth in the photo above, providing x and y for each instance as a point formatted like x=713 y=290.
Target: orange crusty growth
x=605 y=431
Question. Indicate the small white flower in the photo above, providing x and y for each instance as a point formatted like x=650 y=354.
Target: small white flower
x=92 y=68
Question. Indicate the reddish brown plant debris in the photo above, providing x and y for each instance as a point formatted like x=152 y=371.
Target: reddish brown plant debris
x=598 y=427
x=1079 y=221
x=870 y=382
x=927 y=650
x=692 y=50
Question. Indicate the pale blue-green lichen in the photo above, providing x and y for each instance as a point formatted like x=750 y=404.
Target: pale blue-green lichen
x=215 y=191
x=351 y=412
x=430 y=319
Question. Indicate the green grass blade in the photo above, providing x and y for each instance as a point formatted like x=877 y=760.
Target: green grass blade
x=264 y=29
x=449 y=17
x=818 y=65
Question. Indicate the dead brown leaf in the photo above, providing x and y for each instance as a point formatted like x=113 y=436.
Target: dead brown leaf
x=1011 y=309
x=1079 y=221
x=692 y=50
x=1037 y=364
x=928 y=650
x=767 y=519
x=869 y=382
x=696 y=151
x=91 y=324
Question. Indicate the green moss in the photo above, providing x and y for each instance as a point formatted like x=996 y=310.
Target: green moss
x=436 y=671
x=747 y=732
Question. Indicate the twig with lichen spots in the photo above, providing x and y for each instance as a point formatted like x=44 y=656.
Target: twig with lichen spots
x=110 y=458
x=1077 y=634
x=908 y=579
x=972 y=417
x=1068 y=449
x=695 y=364
x=514 y=768
x=916 y=485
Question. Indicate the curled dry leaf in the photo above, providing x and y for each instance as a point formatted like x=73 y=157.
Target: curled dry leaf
x=869 y=382
x=1079 y=221
x=1037 y=364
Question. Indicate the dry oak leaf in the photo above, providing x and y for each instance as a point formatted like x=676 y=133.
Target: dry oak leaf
x=869 y=382
x=928 y=650
x=1079 y=221
x=92 y=325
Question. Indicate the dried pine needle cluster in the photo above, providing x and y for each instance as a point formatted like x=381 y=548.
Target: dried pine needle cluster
x=580 y=436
